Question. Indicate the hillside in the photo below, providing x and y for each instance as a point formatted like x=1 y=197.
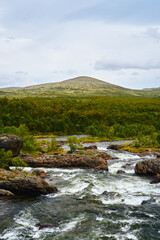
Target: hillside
x=78 y=87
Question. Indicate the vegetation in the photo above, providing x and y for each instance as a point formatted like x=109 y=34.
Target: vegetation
x=6 y=160
x=110 y=118
x=74 y=144
x=78 y=87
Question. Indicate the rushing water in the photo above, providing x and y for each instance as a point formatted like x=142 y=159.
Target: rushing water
x=90 y=205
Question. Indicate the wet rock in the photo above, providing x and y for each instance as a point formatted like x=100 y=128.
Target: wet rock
x=110 y=195
x=40 y=172
x=42 y=226
x=68 y=161
x=6 y=193
x=114 y=146
x=156 y=180
x=90 y=147
x=127 y=165
x=11 y=142
x=120 y=172
x=149 y=153
x=27 y=185
x=148 y=167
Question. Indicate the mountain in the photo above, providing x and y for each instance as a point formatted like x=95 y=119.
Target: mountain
x=78 y=87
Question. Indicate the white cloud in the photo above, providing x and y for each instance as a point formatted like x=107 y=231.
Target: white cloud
x=118 y=64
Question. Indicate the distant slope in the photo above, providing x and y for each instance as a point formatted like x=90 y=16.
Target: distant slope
x=78 y=87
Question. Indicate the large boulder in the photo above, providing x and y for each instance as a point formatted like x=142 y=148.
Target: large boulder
x=114 y=147
x=29 y=185
x=11 y=142
x=148 y=167
x=67 y=161
x=5 y=193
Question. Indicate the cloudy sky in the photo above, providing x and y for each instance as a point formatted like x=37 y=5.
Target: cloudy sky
x=44 y=41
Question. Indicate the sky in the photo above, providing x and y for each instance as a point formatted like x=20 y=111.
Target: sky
x=43 y=41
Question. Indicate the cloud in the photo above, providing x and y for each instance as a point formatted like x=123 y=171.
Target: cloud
x=153 y=32
x=117 y=64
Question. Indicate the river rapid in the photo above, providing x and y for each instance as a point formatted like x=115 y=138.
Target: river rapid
x=89 y=205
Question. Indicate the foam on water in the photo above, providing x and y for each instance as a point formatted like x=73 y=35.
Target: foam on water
x=93 y=191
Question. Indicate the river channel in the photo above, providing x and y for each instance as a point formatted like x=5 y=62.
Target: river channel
x=89 y=205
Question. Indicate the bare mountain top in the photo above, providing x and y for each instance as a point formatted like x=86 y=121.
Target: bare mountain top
x=78 y=87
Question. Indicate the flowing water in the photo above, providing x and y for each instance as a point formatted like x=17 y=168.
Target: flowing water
x=90 y=205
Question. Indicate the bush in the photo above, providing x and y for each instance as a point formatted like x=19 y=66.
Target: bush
x=17 y=162
x=74 y=144
x=6 y=160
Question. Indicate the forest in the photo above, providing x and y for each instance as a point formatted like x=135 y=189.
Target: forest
x=103 y=117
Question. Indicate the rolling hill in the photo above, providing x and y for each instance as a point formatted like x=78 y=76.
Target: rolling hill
x=77 y=87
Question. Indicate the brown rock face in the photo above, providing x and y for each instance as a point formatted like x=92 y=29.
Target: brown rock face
x=28 y=185
x=114 y=147
x=11 y=142
x=120 y=172
x=148 y=167
x=91 y=147
x=68 y=161
x=40 y=172
x=5 y=193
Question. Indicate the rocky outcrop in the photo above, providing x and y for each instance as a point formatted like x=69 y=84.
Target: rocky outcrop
x=120 y=171
x=148 y=167
x=6 y=193
x=114 y=147
x=28 y=185
x=40 y=172
x=148 y=153
x=67 y=161
x=22 y=183
x=90 y=147
x=11 y=142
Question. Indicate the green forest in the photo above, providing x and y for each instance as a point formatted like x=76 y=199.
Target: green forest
x=103 y=117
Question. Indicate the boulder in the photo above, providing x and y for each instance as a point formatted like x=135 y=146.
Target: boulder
x=6 y=193
x=28 y=185
x=120 y=172
x=90 y=147
x=11 y=142
x=148 y=167
x=40 y=172
x=67 y=161
x=114 y=146
x=149 y=153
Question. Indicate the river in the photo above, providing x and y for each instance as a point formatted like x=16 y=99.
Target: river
x=90 y=205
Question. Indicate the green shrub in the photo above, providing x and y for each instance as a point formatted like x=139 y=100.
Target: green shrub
x=18 y=162
x=5 y=158
x=74 y=144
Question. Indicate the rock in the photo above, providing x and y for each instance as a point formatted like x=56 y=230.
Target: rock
x=90 y=147
x=127 y=165
x=42 y=226
x=67 y=161
x=114 y=146
x=148 y=167
x=40 y=172
x=149 y=152
x=11 y=142
x=120 y=172
x=6 y=193
x=27 y=185
x=156 y=180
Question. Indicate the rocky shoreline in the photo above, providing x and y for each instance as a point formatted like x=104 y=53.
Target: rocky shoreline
x=20 y=183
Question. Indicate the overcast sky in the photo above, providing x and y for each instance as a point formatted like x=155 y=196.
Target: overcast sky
x=117 y=41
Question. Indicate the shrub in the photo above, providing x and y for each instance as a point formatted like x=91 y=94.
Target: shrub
x=5 y=158
x=74 y=144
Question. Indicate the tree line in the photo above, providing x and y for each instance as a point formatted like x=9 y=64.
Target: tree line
x=102 y=117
